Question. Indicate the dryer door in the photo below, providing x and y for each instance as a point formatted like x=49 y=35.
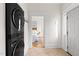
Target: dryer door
x=18 y=19
x=18 y=49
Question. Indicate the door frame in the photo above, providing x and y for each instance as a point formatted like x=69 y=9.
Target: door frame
x=43 y=30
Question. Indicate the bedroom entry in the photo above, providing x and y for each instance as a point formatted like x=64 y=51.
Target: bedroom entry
x=37 y=31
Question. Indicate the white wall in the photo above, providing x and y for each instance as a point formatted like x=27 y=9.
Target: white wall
x=2 y=29
x=66 y=8
x=24 y=7
x=52 y=18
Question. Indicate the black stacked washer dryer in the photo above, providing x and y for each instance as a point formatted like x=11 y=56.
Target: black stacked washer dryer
x=14 y=30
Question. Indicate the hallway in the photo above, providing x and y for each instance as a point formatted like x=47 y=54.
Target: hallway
x=46 y=52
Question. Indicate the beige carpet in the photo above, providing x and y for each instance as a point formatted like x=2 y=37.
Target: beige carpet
x=46 y=52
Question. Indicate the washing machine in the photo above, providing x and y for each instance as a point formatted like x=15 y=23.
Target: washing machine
x=14 y=19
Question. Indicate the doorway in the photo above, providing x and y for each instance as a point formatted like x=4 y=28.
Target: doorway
x=37 y=31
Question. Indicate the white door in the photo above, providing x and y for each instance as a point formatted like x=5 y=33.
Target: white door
x=73 y=31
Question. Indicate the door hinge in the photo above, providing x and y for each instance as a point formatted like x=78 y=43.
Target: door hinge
x=67 y=17
x=67 y=47
x=67 y=32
